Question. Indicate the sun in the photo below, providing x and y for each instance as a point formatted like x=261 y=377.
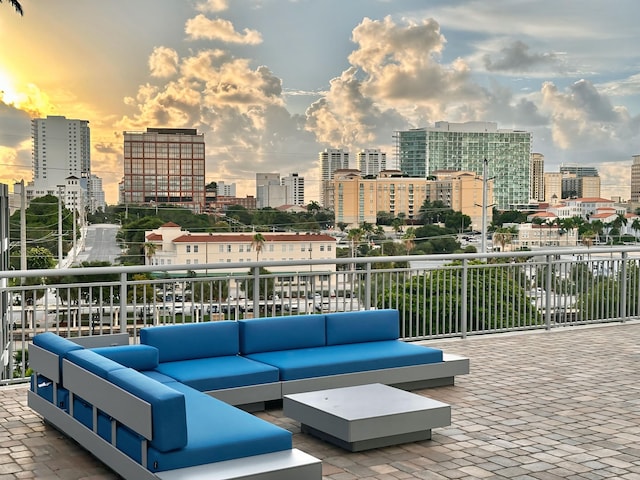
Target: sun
x=8 y=92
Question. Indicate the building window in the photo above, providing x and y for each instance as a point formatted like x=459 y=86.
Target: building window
x=188 y=248
x=195 y=249
x=322 y=248
x=228 y=248
x=188 y=261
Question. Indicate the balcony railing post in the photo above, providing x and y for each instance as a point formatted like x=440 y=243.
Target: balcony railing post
x=548 y=292
x=123 y=302
x=256 y=291
x=367 y=288
x=464 y=298
x=623 y=287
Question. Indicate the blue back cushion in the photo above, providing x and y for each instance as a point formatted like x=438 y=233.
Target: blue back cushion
x=138 y=357
x=281 y=333
x=55 y=344
x=362 y=326
x=93 y=362
x=169 y=417
x=192 y=340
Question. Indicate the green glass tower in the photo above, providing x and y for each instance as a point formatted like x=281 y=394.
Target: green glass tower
x=464 y=146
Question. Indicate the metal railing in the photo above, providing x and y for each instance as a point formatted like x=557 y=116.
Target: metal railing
x=437 y=295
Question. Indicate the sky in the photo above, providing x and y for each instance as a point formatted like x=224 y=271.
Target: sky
x=271 y=83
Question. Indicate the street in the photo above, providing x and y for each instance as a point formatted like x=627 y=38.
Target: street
x=100 y=244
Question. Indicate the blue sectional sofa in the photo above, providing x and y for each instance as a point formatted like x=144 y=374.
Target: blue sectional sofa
x=164 y=408
x=146 y=425
x=252 y=361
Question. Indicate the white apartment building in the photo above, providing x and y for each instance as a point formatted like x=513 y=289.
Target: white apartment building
x=226 y=189
x=294 y=185
x=330 y=160
x=269 y=190
x=371 y=161
x=61 y=159
x=174 y=246
x=96 y=194
x=545 y=235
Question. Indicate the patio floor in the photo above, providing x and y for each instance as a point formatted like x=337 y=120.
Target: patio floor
x=563 y=404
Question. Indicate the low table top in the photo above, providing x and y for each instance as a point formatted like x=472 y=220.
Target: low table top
x=364 y=401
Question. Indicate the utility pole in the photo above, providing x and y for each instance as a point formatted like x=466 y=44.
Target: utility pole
x=23 y=227
x=484 y=207
x=60 y=187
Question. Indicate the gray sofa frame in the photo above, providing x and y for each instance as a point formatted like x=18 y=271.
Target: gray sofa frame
x=136 y=414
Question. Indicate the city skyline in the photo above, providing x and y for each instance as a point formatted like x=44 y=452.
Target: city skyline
x=271 y=83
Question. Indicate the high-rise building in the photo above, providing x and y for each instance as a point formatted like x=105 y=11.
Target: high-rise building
x=552 y=187
x=96 y=193
x=164 y=166
x=269 y=191
x=330 y=160
x=580 y=182
x=464 y=147
x=294 y=184
x=635 y=179
x=61 y=151
x=371 y=161
x=537 y=177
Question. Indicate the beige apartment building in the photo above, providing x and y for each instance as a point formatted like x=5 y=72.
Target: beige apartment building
x=358 y=199
x=174 y=246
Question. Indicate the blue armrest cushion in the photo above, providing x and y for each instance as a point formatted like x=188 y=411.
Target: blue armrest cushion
x=363 y=326
x=281 y=333
x=93 y=362
x=192 y=340
x=342 y=359
x=55 y=344
x=138 y=357
x=169 y=418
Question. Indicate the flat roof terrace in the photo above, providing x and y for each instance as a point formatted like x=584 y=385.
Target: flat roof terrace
x=559 y=404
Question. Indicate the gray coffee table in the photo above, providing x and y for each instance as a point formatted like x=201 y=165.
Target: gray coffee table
x=366 y=416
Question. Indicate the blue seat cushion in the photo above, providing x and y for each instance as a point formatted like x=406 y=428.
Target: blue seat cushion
x=281 y=333
x=205 y=374
x=218 y=432
x=192 y=340
x=363 y=326
x=169 y=424
x=55 y=344
x=138 y=357
x=340 y=359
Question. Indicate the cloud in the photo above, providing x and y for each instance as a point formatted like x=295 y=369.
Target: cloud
x=516 y=58
x=240 y=110
x=583 y=118
x=201 y=27
x=213 y=6
x=163 y=62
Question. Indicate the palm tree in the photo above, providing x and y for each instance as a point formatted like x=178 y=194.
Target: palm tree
x=15 y=4
x=635 y=226
x=150 y=250
x=257 y=243
x=355 y=236
x=409 y=239
x=503 y=237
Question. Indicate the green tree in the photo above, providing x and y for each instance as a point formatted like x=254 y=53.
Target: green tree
x=431 y=304
x=40 y=258
x=266 y=287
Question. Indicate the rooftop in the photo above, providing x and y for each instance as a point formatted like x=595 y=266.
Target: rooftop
x=559 y=404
